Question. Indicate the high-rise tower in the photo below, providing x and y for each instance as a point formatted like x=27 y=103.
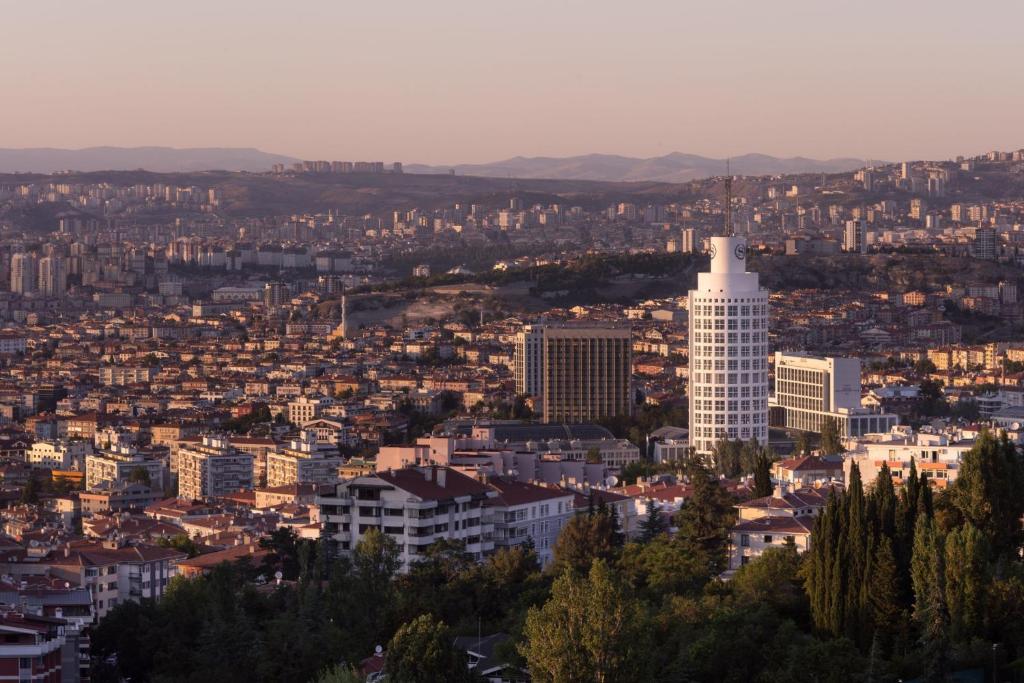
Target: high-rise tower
x=728 y=350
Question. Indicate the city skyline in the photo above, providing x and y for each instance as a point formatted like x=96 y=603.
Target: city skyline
x=458 y=83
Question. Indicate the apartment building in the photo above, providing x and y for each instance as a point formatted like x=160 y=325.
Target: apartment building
x=118 y=463
x=111 y=573
x=58 y=455
x=213 y=468
x=415 y=506
x=937 y=454
x=304 y=409
x=524 y=512
x=31 y=648
x=120 y=375
x=303 y=461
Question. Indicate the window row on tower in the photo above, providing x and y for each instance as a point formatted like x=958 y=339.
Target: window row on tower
x=730 y=337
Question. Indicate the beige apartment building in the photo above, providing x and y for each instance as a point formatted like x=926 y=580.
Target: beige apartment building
x=304 y=461
x=213 y=468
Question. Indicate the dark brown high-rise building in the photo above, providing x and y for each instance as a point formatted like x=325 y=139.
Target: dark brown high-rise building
x=580 y=373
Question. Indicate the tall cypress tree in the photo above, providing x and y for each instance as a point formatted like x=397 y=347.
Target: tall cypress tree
x=886 y=613
x=886 y=501
x=762 y=476
x=925 y=568
x=854 y=557
x=924 y=496
x=819 y=584
x=966 y=581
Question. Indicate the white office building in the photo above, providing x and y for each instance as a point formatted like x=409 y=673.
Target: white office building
x=728 y=350
x=809 y=389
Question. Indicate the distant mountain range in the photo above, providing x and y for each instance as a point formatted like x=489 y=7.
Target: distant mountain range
x=159 y=159
x=671 y=168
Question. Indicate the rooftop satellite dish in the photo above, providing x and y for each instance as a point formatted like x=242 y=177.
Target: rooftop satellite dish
x=378 y=650
x=611 y=482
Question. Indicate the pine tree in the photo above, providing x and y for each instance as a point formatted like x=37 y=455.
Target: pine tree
x=655 y=525
x=885 y=502
x=802 y=445
x=704 y=519
x=582 y=540
x=924 y=496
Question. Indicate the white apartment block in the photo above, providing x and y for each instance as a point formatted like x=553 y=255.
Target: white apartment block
x=304 y=461
x=527 y=512
x=120 y=375
x=415 y=506
x=58 y=455
x=810 y=389
x=304 y=409
x=938 y=455
x=213 y=468
x=117 y=464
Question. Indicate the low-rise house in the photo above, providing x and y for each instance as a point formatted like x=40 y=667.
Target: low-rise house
x=773 y=521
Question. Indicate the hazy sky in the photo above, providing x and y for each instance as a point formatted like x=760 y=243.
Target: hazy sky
x=445 y=81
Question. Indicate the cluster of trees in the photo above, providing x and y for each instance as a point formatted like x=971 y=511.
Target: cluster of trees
x=920 y=583
x=243 y=424
x=897 y=585
x=644 y=420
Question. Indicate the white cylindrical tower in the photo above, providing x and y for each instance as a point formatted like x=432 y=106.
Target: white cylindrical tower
x=728 y=350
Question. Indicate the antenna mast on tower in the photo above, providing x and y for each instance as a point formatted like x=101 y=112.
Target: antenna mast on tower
x=728 y=201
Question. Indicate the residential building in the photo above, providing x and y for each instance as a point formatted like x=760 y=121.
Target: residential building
x=117 y=497
x=937 y=454
x=304 y=409
x=119 y=463
x=303 y=461
x=416 y=506
x=31 y=648
x=58 y=455
x=524 y=512
x=23 y=273
x=213 y=468
x=774 y=521
x=855 y=237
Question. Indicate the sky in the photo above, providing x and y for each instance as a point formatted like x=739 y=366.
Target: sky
x=457 y=81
